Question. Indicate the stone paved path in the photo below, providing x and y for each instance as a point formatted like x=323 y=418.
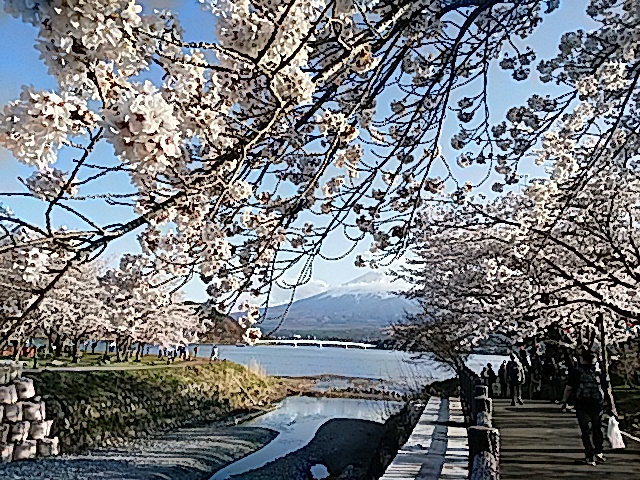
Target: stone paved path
x=437 y=447
x=540 y=442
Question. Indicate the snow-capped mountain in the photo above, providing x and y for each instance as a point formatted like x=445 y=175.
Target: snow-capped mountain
x=359 y=308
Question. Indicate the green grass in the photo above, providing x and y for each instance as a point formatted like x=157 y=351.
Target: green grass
x=98 y=408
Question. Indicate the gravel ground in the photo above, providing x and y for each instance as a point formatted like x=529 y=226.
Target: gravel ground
x=185 y=454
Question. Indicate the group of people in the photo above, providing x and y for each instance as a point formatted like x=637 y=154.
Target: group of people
x=584 y=388
x=171 y=354
x=182 y=352
x=537 y=374
x=508 y=380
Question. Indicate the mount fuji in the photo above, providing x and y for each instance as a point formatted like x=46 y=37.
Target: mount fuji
x=360 y=308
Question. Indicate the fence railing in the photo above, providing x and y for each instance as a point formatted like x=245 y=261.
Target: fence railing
x=484 y=440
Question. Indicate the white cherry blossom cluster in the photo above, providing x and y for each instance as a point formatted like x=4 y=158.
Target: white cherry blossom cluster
x=251 y=314
x=75 y=34
x=197 y=96
x=34 y=127
x=31 y=264
x=215 y=255
x=268 y=34
x=277 y=27
x=144 y=131
x=142 y=307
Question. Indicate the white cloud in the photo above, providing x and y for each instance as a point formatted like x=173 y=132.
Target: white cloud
x=309 y=289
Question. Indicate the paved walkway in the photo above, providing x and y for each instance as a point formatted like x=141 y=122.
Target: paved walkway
x=540 y=442
x=437 y=448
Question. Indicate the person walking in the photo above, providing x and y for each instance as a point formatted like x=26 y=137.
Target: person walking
x=214 y=353
x=491 y=379
x=515 y=377
x=550 y=377
x=586 y=383
x=502 y=377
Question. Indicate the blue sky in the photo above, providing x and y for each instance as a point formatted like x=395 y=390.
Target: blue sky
x=19 y=64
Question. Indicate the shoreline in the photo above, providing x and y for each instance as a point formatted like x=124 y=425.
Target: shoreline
x=198 y=451
x=192 y=446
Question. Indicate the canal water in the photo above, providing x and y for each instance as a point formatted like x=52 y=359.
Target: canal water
x=297 y=419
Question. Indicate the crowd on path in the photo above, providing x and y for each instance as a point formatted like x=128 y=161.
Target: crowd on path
x=582 y=385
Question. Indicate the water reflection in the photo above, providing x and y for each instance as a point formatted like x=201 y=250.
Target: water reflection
x=297 y=420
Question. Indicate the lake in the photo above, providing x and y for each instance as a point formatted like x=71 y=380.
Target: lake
x=388 y=365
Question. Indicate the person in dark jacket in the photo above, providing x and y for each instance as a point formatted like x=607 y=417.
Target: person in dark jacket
x=586 y=384
x=491 y=379
x=502 y=377
x=515 y=377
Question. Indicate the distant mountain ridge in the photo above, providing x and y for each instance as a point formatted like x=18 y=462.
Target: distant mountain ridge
x=357 y=309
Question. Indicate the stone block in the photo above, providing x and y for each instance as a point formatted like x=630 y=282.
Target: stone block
x=9 y=371
x=25 y=450
x=481 y=391
x=19 y=431
x=6 y=452
x=4 y=432
x=5 y=376
x=13 y=412
x=484 y=439
x=48 y=447
x=8 y=394
x=33 y=411
x=484 y=419
x=485 y=467
x=40 y=430
x=24 y=388
x=482 y=404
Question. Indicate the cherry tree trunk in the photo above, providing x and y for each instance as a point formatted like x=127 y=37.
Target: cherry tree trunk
x=75 y=356
x=50 y=338
x=16 y=353
x=119 y=348
x=58 y=346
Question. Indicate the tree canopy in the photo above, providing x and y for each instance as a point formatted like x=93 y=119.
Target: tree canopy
x=237 y=158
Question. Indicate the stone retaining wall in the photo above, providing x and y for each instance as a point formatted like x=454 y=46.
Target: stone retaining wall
x=24 y=427
x=398 y=430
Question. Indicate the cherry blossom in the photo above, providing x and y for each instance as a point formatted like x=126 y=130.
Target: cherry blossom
x=331 y=113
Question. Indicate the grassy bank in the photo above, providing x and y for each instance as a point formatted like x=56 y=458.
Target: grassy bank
x=108 y=408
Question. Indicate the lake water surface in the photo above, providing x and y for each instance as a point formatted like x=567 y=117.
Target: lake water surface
x=387 y=365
